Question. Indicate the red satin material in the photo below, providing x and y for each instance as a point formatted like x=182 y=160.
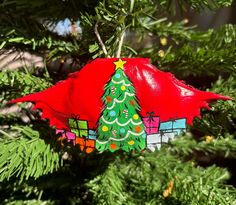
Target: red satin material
x=80 y=94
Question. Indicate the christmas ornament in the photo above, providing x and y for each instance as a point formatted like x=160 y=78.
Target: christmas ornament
x=120 y=104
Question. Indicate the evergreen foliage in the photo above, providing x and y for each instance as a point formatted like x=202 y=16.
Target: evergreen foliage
x=27 y=155
x=36 y=167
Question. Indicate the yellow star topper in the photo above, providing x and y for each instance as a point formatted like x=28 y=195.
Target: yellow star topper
x=120 y=64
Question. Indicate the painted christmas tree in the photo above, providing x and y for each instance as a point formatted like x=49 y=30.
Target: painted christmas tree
x=120 y=126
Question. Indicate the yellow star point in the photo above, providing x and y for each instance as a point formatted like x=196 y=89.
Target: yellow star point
x=119 y=64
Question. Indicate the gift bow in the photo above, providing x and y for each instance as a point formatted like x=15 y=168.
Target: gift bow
x=75 y=118
x=150 y=116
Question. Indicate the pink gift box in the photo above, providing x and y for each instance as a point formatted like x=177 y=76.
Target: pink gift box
x=66 y=134
x=151 y=124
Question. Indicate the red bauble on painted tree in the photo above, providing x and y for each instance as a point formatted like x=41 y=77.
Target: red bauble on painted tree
x=120 y=104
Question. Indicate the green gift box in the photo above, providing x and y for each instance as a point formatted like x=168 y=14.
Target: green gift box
x=79 y=127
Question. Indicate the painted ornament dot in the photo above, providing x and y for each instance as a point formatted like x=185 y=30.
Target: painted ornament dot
x=108 y=99
x=131 y=142
x=122 y=130
x=104 y=128
x=113 y=146
x=135 y=116
x=138 y=128
x=132 y=102
x=117 y=75
x=112 y=113
x=123 y=87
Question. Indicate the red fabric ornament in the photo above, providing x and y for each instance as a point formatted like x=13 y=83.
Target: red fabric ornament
x=126 y=104
x=157 y=91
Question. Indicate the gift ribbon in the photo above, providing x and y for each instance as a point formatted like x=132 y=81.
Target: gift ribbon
x=150 y=119
x=76 y=118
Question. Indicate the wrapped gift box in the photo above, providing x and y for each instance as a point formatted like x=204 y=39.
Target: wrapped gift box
x=78 y=127
x=86 y=145
x=166 y=137
x=92 y=135
x=177 y=126
x=153 y=138
x=70 y=136
x=151 y=124
x=154 y=141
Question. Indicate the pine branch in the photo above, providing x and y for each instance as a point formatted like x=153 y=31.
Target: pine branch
x=148 y=179
x=203 y=50
x=36 y=8
x=224 y=146
x=112 y=184
x=29 y=202
x=221 y=119
x=55 y=47
x=177 y=31
x=18 y=83
x=195 y=4
x=26 y=155
x=110 y=13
